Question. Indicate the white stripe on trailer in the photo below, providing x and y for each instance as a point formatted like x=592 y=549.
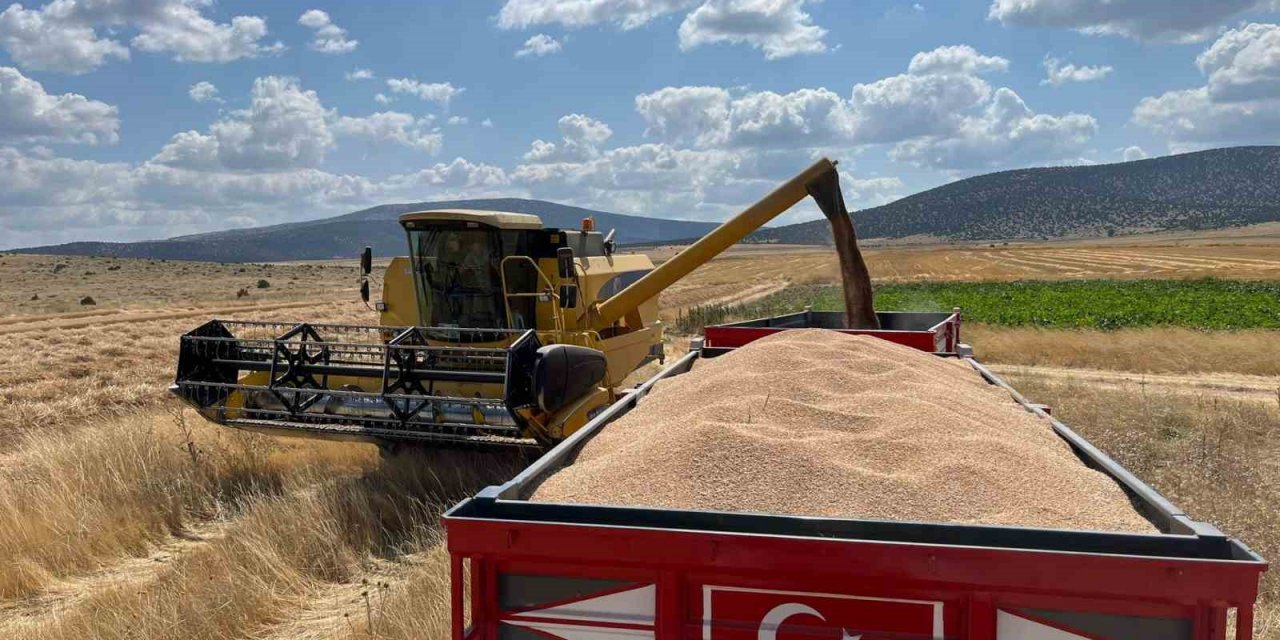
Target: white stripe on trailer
x=1010 y=626
x=581 y=632
x=633 y=606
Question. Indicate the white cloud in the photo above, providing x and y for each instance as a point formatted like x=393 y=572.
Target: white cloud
x=1134 y=153
x=539 y=45
x=939 y=114
x=457 y=120
x=438 y=92
x=693 y=115
x=390 y=126
x=908 y=106
x=581 y=137
x=710 y=117
x=779 y=28
x=1243 y=64
x=179 y=29
x=487 y=123
x=962 y=59
x=360 y=74
x=628 y=14
x=1191 y=20
x=1240 y=101
x=329 y=37
x=285 y=127
x=204 y=91
x=28 y=114
x=42 y=42
x=382 y=98
x=1006 y=133
x=64 y=35
x=1058 y=74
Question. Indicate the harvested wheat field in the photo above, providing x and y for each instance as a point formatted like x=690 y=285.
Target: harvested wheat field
x=820 y=423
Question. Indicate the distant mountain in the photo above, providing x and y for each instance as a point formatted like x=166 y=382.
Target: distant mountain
x=1203 y=190
x=344 y=236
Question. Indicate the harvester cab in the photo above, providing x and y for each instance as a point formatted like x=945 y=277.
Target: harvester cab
x=494 y=330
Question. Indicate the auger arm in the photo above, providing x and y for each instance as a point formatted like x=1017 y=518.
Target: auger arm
x=820 y=180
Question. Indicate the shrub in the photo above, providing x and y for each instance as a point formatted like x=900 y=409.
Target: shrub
x=242 y=292
x=88 y=300
x=263 y=284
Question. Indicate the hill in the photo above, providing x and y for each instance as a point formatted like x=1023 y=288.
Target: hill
x=1202 y=190
x=343 y=236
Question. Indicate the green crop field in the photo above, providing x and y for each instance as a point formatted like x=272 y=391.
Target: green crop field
x=1207 y=304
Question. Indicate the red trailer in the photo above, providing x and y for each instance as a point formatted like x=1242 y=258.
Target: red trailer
x=524 y=570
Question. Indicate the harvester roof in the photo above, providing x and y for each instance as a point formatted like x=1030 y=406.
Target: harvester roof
x=499 y=219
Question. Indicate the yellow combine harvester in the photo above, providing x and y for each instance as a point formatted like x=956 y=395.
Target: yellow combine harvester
x=493 y=331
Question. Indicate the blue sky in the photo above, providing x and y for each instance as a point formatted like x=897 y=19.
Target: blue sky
x=135 y=119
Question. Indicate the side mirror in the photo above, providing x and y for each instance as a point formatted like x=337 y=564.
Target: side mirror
x=366 y=263
x=364 y=291
x=568 y=296
x=564 y=258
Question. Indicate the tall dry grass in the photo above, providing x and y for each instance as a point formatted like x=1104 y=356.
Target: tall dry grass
x=1149 y=350
x=72 y=505
x=1214 y=458
x=287 y=535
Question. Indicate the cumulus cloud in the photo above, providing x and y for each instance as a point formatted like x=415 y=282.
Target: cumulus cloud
x=940 y=114
x=390 y=126
x=581 y=137
x=628 y=14
x=285 y=128
x=1240 y=101
x=1058 y=74
x=29 y=114
x=328 y=37
x=65 y=35
x=1243 y=64
x=1188 y=20
x=539 y=45
x=1006 y=132
x=908 y=106
x=204 y=91
x=779 y=28
x=962 y=59
x=438 y=92
x=360 y=74
x=1134 y=153
x=46 y=199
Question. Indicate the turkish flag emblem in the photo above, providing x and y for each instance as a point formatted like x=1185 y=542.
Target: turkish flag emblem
x=734 y=613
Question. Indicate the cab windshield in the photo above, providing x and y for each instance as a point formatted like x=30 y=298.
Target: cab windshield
x=456 y=269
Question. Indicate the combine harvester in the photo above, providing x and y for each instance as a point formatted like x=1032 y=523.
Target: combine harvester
x=528 y=335
x=494 y=332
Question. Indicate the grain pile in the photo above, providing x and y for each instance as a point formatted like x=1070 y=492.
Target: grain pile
x=820 y=423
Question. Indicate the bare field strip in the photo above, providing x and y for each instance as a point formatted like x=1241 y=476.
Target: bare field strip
x=969 y=263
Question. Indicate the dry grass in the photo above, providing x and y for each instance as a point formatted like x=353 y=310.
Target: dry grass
x=116 y=283
x=1153 y=350
x=1214 y=458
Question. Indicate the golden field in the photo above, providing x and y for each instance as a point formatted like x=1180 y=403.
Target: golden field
x=123 y=515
